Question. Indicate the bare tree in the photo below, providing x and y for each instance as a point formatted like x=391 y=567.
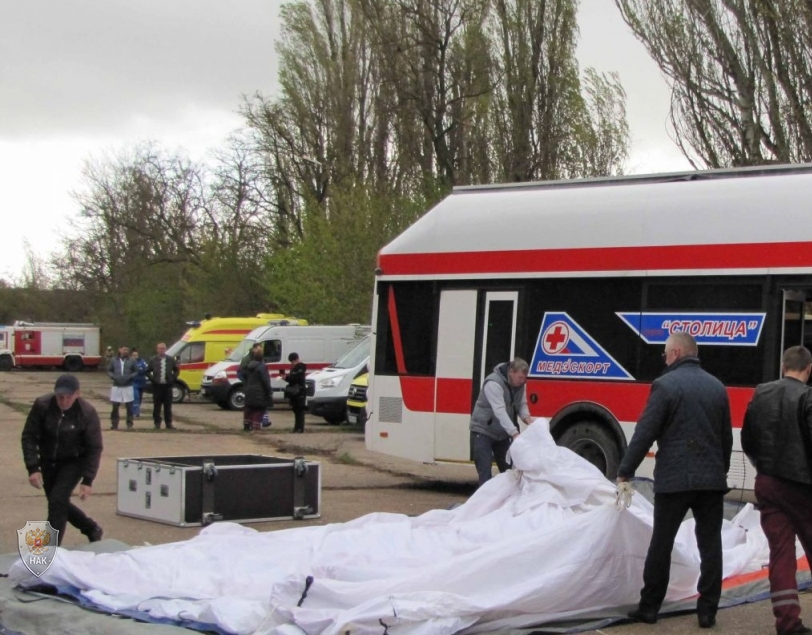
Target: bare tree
x=740 y=73
x=535 y=54
x=35 y=273
x=435 y=54
x=138 y=208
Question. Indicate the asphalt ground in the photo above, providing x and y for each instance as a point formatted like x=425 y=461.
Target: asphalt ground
x=354 y=481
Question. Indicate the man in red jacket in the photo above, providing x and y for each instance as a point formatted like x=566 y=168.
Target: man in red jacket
x=62 y=446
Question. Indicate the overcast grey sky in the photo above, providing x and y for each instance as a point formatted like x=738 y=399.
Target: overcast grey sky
x=81 y=77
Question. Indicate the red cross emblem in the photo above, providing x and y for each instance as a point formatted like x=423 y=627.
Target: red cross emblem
x=555 y=338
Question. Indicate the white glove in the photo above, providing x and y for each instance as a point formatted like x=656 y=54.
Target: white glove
x=623 y=496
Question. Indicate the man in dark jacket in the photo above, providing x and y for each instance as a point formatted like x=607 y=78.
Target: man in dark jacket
x=776 y=438
x=62 y=446
x=688 y=415
x=258 y=392
x=494 y=421
x=296 y=390
x=162 y=371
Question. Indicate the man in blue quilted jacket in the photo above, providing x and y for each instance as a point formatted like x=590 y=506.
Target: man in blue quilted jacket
x=688 y=415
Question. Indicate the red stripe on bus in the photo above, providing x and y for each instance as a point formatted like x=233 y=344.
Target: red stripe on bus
x=396 y=341
x=418 y=393
x=454 y=395
x=664 y=257
x=624 y=400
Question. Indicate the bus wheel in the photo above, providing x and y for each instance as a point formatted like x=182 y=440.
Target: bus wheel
x=178 y=393
x=72 y=364
x=236 y=399
x=6 y=363
x=593 y=442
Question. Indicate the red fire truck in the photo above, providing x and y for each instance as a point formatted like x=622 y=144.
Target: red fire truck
x=41 y=344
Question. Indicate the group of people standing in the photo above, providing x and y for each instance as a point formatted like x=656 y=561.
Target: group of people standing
x=687 y=414
x=259 y=393
x=130 y=374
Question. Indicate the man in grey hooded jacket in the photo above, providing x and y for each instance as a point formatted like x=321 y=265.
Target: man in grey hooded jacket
x=494 y=421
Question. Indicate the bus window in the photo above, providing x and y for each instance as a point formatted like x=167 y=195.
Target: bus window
x=405 y=329
x=734 y=364
x=499 y=330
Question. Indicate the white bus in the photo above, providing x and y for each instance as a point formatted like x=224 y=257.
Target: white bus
x=586 y=279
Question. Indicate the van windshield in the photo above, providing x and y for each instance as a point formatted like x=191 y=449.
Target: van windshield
x=356 y=356
x=241 y=351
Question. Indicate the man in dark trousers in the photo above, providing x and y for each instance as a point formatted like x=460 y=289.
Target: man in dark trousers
x=62 y=447
x=688 y=415
x=494 y=421
x=162 y=372
x=296 y=391
x=776 y=438
x=258 y=391
x=122 y=370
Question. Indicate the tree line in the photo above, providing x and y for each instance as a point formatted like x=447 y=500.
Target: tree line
x=382 y=107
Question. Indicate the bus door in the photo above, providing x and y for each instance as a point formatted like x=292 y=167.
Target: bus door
x=456 y=338
x=458 y=346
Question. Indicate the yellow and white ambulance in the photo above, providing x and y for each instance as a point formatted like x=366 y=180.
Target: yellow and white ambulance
x=211 y=340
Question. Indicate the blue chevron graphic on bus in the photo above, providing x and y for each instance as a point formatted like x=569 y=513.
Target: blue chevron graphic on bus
x=564 y=349
x=721 y=329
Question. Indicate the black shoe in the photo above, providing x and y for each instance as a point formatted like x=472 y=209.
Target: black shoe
x=129 y=426
x=169 y=426
x=801 y=630
x=706 y=620
x=114 y=427
x=642 y=616
x=96 y=534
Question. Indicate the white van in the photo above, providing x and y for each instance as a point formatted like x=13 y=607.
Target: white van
x=327 y=389
x=317 y=346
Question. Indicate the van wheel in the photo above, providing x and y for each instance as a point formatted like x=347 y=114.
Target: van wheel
x=335 y=420
x=73 y=364
x=236 y=399
x=6 y=363
x=178 y=393
x=593 y=442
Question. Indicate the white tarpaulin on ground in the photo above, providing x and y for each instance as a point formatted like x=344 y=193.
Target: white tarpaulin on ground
x=540 y=543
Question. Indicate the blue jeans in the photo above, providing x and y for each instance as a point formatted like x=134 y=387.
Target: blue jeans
x=138 y=395
x=486 y=451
